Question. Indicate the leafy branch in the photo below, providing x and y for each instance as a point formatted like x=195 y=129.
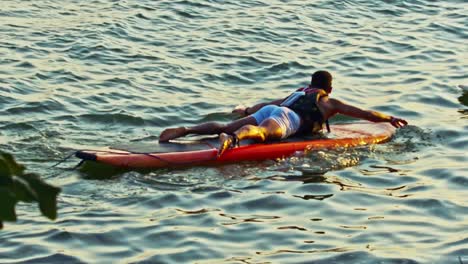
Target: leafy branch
x=16 y=186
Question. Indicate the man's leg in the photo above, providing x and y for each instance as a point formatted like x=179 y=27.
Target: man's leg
x=206 y=129
x=267 y=130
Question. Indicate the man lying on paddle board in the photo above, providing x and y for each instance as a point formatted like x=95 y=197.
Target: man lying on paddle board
x=304 y=111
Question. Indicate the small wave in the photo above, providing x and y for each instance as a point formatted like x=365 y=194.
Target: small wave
x=113 y=118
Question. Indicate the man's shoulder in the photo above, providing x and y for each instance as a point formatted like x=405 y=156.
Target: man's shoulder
x=301 y=89
x=333 y=101
x=329 y=102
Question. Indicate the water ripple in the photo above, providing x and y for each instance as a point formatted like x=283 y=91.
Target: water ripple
x=95 y=73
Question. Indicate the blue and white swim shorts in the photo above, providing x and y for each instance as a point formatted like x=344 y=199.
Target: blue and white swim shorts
x=286 y=118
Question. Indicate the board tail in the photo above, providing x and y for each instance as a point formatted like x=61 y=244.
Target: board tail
x=85 y=155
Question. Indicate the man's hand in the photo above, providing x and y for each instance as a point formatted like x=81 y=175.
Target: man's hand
x=398 y=122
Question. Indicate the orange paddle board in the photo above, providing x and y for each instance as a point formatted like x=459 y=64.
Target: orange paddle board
x=204 y=152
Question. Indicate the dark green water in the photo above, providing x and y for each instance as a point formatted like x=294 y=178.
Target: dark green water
x=75 y=74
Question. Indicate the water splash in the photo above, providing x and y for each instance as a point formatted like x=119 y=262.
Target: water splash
x=403 y=148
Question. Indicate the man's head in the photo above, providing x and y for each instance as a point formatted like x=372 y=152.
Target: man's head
x=322 y=80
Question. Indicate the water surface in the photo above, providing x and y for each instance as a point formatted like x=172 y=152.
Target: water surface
x=77 y=74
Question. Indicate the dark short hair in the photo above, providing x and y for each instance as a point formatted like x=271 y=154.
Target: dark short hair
x=321 y=80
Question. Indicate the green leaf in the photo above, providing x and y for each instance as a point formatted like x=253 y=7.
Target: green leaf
x=16 y=186
x=46 y=194
x=8 y=166
x=7 y=205
x=464 y=98
x=5 y=174
x=22 y=190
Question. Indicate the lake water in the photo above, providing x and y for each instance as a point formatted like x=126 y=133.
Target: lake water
x=75 y=74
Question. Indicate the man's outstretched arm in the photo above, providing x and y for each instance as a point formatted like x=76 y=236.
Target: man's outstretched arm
x=372 y=116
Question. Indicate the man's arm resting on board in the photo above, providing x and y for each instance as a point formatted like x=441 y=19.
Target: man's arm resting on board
x=245 y=111
x=372 y=116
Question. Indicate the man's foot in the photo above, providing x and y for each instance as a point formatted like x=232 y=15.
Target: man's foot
x=172 y=133
x=226 y=142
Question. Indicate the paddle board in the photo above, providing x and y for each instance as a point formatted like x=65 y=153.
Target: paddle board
x=204 y=152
